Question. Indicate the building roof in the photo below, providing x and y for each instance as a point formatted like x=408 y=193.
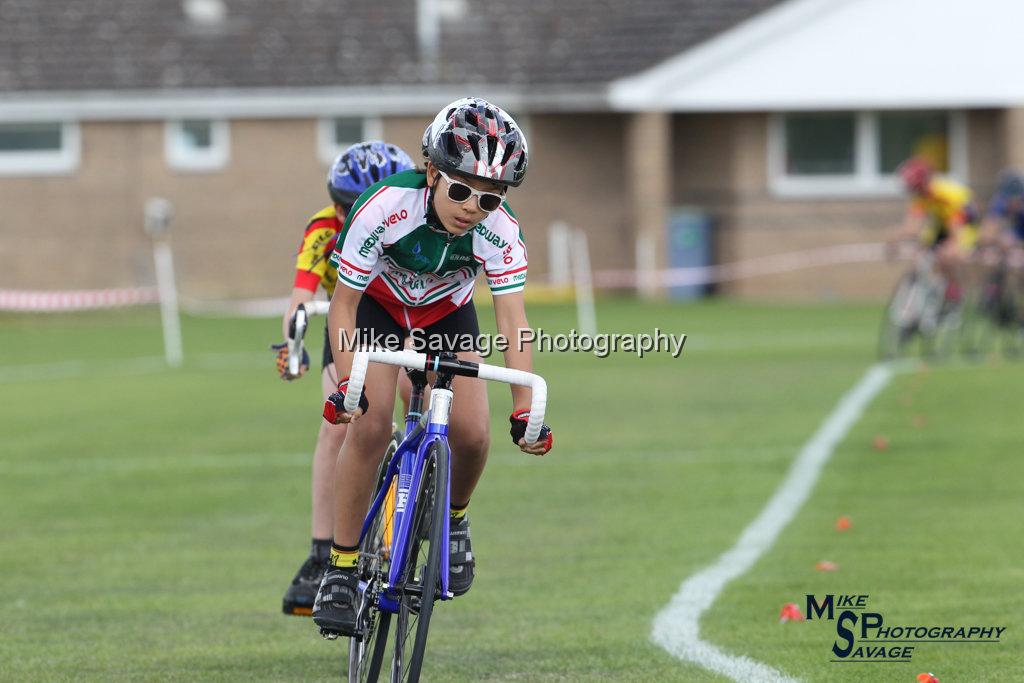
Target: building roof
x=846 y=54
x=131 y=46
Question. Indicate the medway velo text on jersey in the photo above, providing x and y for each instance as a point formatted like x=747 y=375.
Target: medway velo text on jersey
x=417 y=272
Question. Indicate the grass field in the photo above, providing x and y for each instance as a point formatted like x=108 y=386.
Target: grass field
x=151 y=519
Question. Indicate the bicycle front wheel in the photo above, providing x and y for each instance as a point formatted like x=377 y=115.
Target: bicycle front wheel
x=422 y=568
x=366 y=650
x=901 y=318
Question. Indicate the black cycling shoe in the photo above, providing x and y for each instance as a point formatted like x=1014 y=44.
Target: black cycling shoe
x=461 y=564
x=299 y=598
x=334 y=610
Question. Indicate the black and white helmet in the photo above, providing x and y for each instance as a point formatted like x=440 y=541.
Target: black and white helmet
x=474 y=138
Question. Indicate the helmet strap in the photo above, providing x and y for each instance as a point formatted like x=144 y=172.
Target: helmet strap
x=431 y=218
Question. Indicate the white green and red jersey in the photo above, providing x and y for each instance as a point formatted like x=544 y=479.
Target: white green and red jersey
x=418 y=272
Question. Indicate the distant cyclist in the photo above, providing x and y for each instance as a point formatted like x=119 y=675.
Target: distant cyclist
x=1003 y=229
x=942 y=218
x=1004 y=220
x=354 y=170
x=411 y=251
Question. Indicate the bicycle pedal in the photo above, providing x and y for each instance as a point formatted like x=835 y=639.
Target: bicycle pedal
x=329 y=635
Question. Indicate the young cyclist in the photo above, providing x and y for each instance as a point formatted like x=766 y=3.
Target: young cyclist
x=410 y=253
x=1003 y=228
x=942 y=218
x=353 y=171
x=1004 y=221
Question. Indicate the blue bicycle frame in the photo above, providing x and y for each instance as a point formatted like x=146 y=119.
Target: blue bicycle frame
x=407 y=464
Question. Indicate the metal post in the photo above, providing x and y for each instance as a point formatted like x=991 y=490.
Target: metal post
x=586 y=315
x=159 y=213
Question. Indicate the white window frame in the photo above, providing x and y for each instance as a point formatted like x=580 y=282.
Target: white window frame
x=64 y=161
x=181 y=157
x=328 y=149
x=865 y=181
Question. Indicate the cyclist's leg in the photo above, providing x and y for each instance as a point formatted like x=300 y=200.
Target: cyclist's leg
x=365 y=442
x=301 y=593
x=325 y=458
x=364 y=446
x=469 y=433
x=469 y=437
x=469 y=425
x=948 y=261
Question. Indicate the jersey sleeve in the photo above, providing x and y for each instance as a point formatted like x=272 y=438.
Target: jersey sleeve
x=361 y=243
x=312 y=260
x=506 y=261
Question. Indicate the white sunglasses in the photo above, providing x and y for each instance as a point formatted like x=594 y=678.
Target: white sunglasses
x=461 y=192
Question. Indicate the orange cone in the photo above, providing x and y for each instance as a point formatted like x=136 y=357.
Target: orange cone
x=826 y=566
x=790 y=612
x=927 y=678
x=843 y=523
x=880 y=443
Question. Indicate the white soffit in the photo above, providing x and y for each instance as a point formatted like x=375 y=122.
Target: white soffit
x=846 y=54
x=276 y=102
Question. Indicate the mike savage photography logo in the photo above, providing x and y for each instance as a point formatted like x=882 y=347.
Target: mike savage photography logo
x=601 y=345
x=864 y=636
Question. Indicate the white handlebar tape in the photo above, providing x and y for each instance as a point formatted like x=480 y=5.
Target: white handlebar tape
x=299 y=322
x=317 y=307
x=418 y=361
x=526 y=379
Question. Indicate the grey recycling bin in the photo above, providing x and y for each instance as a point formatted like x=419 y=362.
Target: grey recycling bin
x=689 y=246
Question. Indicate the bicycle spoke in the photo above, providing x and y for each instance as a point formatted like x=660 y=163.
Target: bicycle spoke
x=419 y=588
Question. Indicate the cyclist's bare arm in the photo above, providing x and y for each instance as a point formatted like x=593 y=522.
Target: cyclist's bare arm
x=510 y=316
x=299 y=296
x=911 y=227
x=341 y=316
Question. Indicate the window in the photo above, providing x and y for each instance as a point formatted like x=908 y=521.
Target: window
x=39 y=148
x=197 y=144
x=902 y=135
x=819 y=144
x=857 y=153
x=335 y=135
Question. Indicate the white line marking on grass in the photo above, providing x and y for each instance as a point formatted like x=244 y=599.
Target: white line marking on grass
x=677 y=626
x=33 y=372
x=132 y=463
x=120 y=367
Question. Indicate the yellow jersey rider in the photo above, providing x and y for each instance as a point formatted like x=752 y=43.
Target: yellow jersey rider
x=942 y=217
x=354 y=170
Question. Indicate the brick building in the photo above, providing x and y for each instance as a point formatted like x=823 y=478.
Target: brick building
x=781 y=120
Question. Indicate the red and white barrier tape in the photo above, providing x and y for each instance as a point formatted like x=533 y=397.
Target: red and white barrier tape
x=77 y=300
x=18 y=300
x=763 y=265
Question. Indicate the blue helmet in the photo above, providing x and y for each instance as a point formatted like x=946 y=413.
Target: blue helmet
x=1011 y=185
x=362 y=165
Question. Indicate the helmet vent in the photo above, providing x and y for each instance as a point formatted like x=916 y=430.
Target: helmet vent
x=451 y=146
x=492 y=148
x=474 y=142
x=509 y=149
